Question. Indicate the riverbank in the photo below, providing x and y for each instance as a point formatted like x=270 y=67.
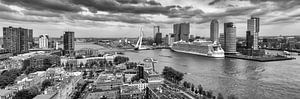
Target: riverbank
x=260 y=58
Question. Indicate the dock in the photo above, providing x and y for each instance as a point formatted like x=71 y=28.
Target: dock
x=260 y=58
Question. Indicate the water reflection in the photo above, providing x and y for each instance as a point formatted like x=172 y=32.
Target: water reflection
x=229 y=67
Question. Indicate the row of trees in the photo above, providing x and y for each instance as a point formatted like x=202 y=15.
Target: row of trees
x=199 y=91
x=131 y=65
x=40 y=67
x=120 y=59
x=8 y=77
x=27 y=93
x=172 y=75
x=46 y=83
x=79 y=90
x=88 y=65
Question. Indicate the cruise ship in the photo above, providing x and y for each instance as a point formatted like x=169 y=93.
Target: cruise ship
x=199 y=47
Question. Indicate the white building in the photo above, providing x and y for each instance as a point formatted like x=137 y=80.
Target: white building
x=43 y=41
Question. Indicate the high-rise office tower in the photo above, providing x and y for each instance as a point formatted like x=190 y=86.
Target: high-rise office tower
x=24 y=40
x=172 y=39
x=140 y=72
x=192 y=37
x=229 y=38
x=176 y=31
x=44 y=41
x=167 y=38
x=252 y=33
x=156 y=29
x=181 y=31
x=221 y=40
x=214 y=30
x=30 y=38
x=158 y=38
x=15 y=40
x=69 y=44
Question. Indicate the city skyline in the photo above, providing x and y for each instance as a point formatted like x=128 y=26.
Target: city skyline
x=110 y=18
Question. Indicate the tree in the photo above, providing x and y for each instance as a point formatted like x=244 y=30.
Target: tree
x=220 y=96
x=200 y=89
x=84 y=73
x=172 y=75
x=131 y=65
x=81 y=64
x=120 y=59
x=209 y=94
x=232 y=97
x=196 y=91
x=27 y=93
x=62 y=65
x=192 y=87
x=188 y=85
x=90 y=74
x=86 y=65
x=46 y=83
x=185 y=84
x=4 y=81
x=13 y=73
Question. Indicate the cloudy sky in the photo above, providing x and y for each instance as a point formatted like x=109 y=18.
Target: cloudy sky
x=122 y=18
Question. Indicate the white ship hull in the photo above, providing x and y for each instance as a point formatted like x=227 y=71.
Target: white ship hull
x=201 y=54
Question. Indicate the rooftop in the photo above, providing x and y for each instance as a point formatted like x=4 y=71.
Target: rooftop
x=4 y=92
x=44 y=96
x=130 y=89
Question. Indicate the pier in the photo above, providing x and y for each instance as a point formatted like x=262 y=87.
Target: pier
x=261 y=58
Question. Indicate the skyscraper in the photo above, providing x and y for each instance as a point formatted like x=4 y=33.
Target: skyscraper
x=24 y=40
x=221 y=40
x=69 y=44
x=172 y=39
x=181 y=31
x=176 y=31
x=252 y=33
x=140 y=72
x=44 y=41
x=15 y=40
x=30 y=38
x=192 y=37
x=156 y=29
x=214 y=30
x=229 y=38
x=167 y=38
x=158 y=38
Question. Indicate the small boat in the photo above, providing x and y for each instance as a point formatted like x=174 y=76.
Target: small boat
x=165 y=56
x=286 y=53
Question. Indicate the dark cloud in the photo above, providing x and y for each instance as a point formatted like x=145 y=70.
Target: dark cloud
x=6 y=9
x=41 y=13
x=185 y=13
x=237 y=11
x=51 y=5
x=131 y=6
x=126 y=18
x=152 y=2
x=214 y=2
x=18 y=17
x=117 y=7
x=281 y=4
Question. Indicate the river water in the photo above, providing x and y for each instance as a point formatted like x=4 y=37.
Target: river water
x=245 y=79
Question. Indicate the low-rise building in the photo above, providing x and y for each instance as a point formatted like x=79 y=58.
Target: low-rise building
x=110 y=94
x=107 y=82
x=28 y=81
x=6 y=94
x=45 y=96
x=131 y=92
